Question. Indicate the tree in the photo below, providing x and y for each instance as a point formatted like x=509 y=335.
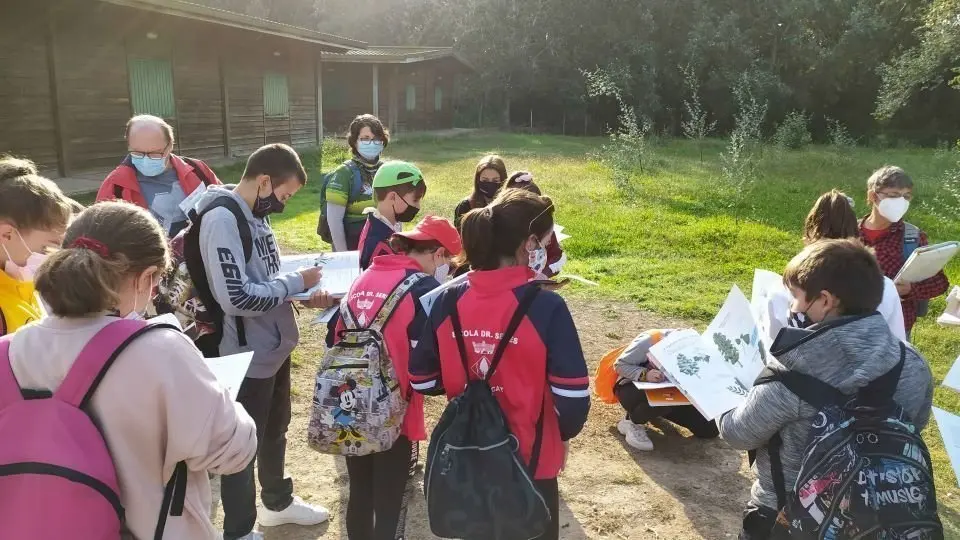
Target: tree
x=696 y=127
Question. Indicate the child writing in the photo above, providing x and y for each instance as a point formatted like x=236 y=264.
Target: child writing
x=253 y=295
x=633 y=365
x=838 y=285
x=33 y=217
x=399 y=188
x=375 y=508
x=889 y=192
x=543 y=371
x=153 y=409
x=488 y=177
x=832 y=216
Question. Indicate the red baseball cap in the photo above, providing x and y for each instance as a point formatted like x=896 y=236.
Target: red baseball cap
x=439 y=229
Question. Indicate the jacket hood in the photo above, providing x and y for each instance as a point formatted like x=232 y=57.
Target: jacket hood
x=215 y=192
x=847 y=352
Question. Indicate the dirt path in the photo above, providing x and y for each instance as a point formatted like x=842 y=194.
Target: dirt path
x=684 y=489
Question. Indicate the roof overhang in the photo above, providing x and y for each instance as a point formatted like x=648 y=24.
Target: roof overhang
x=398 y=55
x=189 y=10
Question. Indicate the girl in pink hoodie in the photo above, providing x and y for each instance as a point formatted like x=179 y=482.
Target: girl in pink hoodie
x=158 y=404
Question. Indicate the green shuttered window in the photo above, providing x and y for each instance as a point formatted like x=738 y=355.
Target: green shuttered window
x=151 y=87
x=411 y=97
x=276 y=98
x=437 y=98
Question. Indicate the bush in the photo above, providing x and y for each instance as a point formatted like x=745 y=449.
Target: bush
x=794 y=131
x=840 y=138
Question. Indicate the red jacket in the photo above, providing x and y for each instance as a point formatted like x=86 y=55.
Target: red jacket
x=124 y=179
x=403 y=328
x=543 y=368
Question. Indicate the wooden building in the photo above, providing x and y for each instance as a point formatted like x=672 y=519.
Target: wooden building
x=73 y=71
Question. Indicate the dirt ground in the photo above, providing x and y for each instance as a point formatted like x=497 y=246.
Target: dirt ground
x=685 y=489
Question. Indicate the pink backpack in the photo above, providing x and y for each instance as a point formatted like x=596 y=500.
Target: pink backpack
x=57 y=479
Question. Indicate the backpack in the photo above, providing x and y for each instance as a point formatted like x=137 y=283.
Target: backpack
x=323 y=227
x=866 y=472
x=911 y=241
x=358 y=407
x=184 y=290
x=60 y=459
x=476 y=485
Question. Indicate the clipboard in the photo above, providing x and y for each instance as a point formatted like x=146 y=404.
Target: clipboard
x=926 y=262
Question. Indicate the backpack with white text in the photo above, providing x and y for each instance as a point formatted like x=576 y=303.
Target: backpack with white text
x=866 y=472
x=358 y=405
x=60 y=460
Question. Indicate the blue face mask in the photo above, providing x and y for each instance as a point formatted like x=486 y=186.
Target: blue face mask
x=149 y=166
x=369 y=150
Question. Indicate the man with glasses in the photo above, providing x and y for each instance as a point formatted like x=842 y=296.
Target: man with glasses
x=889 y=192
x=153 y=177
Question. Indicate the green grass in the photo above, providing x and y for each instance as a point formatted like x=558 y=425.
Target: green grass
x=675 y=245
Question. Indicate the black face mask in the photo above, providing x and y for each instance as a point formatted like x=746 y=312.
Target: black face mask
x=407 y=215
x=267 y=205
x=489 y=189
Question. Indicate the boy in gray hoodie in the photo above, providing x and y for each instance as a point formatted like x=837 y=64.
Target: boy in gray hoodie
x=259 y=318
x=836 y=284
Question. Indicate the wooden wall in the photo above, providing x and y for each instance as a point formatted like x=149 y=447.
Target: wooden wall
x=347 y=92
x=196 y=78
x=27 y=125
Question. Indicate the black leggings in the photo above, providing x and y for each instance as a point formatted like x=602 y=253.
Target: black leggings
x=375 y=508
x=550 y=490
x=639 y=411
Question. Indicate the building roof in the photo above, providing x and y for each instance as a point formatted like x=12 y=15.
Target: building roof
x=190 y=10
x=376 y=54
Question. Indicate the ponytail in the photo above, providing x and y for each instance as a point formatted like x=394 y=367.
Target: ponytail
x=496 y=232
x=831 y=217
x=106 y=245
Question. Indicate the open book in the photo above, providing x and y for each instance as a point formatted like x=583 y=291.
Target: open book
x=340 y=270
x=716 y=369
x=926 y=261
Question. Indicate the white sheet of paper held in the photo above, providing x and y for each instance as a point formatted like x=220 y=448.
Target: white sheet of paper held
x=952 y=380
x=230 y=370
x=949 y=425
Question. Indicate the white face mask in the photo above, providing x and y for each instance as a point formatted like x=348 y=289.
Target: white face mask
x=538 y=258
x=138 y=314
x=893 y=208
x=29 y=268
x=442 y=272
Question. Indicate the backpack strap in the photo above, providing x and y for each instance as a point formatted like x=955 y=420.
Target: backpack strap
x=9 y=387
x=880 y=391
x=197 y=170
x=174 y=495
x=356 y=185
x=525 y=302
x=97 y=356
x=349 y=321
x=390 y=304
x=451 y=303
x=117 y=192
x=911 y=239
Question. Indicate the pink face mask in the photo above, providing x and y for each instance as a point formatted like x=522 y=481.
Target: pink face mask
x=29 y=268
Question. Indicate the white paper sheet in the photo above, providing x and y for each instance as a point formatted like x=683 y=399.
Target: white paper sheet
x=653 y=385
x=230 y=370
x=952 y=380
x=340 y=270
x=770 y=303
x=949 y=425
x=736 y=335
x=926 y=261
x=429 y=298
x=189 y=203
x=325 y=315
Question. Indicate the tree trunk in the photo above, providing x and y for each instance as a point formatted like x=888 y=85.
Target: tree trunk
x=531 y=120
x=505 y=113
x=586 y=118
x=564 y=123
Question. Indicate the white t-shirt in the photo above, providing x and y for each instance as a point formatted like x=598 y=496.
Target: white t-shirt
x=778 y=309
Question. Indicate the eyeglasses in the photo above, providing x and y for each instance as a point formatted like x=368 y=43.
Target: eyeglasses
x=368 y=139
x=151 y=155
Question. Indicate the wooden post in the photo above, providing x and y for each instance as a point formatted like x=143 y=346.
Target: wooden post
x=531 y=119
x=586 y=118
x=225 y=108
x=62 y=168
x=376 y=90
x=318 y=68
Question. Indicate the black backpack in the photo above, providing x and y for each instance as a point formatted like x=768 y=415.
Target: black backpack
x=476 y=484
x=866 y=472
x=184 y=290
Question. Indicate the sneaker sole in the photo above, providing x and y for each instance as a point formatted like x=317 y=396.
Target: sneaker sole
x=301 y=522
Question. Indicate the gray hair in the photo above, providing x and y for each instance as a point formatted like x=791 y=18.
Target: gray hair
x=150 y=119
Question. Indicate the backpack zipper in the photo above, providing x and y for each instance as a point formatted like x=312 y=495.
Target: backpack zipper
x=32 y=467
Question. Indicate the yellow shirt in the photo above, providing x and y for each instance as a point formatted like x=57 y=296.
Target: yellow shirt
x=19 y=304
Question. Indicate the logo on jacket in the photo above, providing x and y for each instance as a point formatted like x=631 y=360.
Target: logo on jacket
x=484 y=348
x=364 y=305
x=482 y=367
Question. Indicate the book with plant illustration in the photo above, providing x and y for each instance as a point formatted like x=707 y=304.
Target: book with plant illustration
x=716 y=369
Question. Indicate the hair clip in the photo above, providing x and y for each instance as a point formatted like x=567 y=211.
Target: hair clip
x=94 y=245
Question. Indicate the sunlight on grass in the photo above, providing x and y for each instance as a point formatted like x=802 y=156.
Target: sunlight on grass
x=676 y=246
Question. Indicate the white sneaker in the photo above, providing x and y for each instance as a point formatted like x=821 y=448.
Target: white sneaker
x=635 y=434
x=298 y=513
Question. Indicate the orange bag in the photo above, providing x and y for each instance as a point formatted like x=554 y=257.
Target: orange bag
x=606 y=377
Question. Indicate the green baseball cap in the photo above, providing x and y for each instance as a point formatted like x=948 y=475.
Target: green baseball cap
x=395 y=173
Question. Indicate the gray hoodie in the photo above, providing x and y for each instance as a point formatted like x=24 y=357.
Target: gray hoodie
x=847 y=356
x=254 y=290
